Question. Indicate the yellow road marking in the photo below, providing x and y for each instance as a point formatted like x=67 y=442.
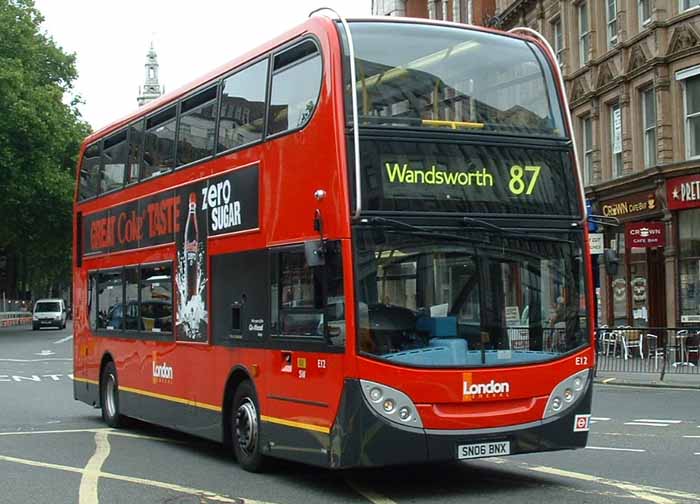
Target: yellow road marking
x=88 y=483
x=140 y=481
x=299 y=425
x=368 y=493
x=608 y=380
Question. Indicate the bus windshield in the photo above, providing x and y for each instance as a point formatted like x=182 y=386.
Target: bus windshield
x=416 y=75
x=492 y=298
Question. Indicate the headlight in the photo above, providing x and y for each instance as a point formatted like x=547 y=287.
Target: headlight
x=565 y=393
x=391 y=404
x=35 y=317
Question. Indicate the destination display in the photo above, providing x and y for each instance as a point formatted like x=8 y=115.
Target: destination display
x=222 y=204
x=449 y=177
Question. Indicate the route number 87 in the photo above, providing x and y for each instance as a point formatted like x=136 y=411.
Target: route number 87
x=517 y=184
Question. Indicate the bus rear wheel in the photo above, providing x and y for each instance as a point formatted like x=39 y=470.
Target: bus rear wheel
x=109 y=396
x=245 y=428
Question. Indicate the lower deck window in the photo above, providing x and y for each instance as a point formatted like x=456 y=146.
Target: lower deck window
x=137 y=299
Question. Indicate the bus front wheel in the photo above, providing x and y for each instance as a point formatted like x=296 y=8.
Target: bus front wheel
x=109 y=396
x=245 y=431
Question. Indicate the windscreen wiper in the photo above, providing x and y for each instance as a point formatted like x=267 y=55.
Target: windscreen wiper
x=515 y=234
x=422 y=231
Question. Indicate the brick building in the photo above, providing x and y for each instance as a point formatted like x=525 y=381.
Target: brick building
x=460 y=11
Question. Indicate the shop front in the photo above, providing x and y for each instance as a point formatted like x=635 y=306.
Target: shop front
x=683 y=196
x=633 y=293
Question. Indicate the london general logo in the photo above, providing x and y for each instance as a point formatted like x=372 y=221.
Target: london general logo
x=490 y=390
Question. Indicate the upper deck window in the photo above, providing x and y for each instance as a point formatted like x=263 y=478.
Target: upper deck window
x=424 y=76
x=114 y=153
x=296 y=81
x=243 y=107
x=159 y=143
x=90 y=172
x=197 y=126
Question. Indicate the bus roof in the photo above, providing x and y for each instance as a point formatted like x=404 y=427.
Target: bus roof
x=319 y=22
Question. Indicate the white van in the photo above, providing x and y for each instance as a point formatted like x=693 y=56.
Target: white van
x=49 y=313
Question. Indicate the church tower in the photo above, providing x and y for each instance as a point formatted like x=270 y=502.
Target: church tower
x=151 y=88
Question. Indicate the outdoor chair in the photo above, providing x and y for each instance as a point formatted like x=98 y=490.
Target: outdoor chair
x=607 y=338
x=653 y=349
x=622 y=335
x=692 y=348
x=633 y=339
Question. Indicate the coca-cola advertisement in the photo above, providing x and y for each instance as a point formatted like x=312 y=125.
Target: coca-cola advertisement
x=191 y=275
x=189 y=215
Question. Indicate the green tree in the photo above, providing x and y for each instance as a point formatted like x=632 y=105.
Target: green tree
x=40 y=135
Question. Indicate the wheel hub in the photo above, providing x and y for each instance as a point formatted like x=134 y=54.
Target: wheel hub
x=247 y=426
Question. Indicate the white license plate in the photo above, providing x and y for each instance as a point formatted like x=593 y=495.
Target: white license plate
x=480 y=450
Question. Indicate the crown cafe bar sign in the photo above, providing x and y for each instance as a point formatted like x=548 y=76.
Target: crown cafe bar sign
x=683 y=192
x=630 y=206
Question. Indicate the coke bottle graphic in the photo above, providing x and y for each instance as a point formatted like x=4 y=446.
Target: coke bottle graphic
x=192 y=249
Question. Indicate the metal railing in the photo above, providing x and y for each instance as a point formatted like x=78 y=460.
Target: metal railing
x=657 y=350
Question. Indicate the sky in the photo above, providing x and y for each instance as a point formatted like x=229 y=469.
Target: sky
x=111 y=38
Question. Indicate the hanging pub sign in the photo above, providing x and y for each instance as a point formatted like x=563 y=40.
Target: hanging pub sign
x=645 y=234
x=683 y=192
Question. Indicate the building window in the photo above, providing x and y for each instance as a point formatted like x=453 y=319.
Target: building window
x=558 y=42
x=644 y=7
x=587 y=144
x=692 y=116
x=689 y=262
x=584 y=33
x=689 y=4
x=649 y=125
x=612 y=22
x=616 y=140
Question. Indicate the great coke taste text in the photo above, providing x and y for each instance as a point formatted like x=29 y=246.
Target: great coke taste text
x=159 y=218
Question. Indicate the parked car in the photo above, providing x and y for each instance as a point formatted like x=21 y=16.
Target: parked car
x=49 y=313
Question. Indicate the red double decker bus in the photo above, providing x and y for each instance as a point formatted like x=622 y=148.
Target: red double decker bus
x=361 y=244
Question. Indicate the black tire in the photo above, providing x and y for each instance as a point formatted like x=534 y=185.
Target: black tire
x=35 y=327
x=64 y=325
x=109 y=396
x=245 y=428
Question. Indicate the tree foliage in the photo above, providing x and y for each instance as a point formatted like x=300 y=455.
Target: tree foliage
x=40 y=135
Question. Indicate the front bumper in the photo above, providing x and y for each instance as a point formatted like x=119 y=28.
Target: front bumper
x=360 y=437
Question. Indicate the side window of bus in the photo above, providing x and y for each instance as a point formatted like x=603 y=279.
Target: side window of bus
x=114 y=156
x=159 y=143
x=135 y=150
x=195 y=139
x=296 y=81
x=156 y=288
x=131 y=298
x=110 y=297
x=92 y=300
x=90 y=172
x=242 y=111
x=308 y=302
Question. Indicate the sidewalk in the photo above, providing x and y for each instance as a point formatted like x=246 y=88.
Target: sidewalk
x=671 y=380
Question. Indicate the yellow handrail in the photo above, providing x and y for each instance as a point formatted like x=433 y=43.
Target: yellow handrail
x=452 y=124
